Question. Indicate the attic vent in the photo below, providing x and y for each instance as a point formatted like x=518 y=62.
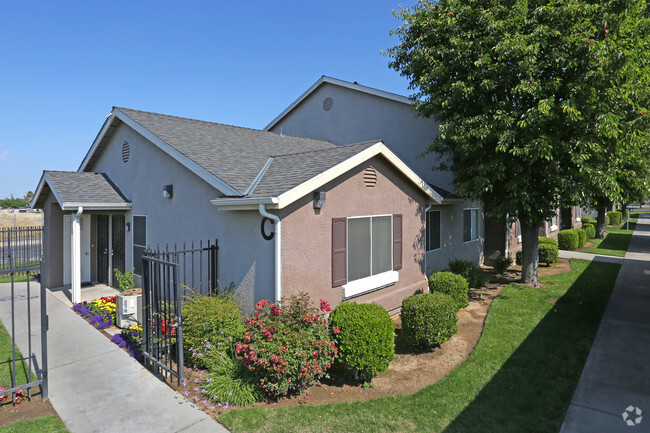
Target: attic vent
x=370 y=177
x=126 y=151
x=328 y=103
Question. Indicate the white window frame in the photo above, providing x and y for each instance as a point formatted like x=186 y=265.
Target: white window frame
x=553 y=227
x=578 y=214
x=476 y=236
x=426 y=231
x=373 y=282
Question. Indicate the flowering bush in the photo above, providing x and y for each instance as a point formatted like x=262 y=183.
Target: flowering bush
x=18 y=396
x=100 y=312
x=287 y=347
x=131 y=339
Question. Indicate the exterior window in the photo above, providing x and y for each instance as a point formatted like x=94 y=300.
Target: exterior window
x=370 y=246
x=578 y=213
x=518 y=230
x=470 y=225
x=433 y=230
x=139 y=242
x=554 y=222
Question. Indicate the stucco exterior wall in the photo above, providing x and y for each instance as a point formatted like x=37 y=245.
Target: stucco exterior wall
x=357 y=116
x=245 y=258
x=452 y=245
x=307 y=234
x=52 y=243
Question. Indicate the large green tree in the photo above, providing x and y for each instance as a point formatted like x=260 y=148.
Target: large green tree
x=531 y=97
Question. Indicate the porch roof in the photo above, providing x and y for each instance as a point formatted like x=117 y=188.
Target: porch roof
x=74 y=189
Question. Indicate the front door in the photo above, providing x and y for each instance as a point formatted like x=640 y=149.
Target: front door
x=102 y=249
x=117 y=238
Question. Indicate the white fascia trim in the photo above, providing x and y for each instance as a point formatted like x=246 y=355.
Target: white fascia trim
x=321 y=179
x=368 y=284
x=100 y=136
x=244 y=203
x=95 y=206
x=341 y=83
x=178 y=156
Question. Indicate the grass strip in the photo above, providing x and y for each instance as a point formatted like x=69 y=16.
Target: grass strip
x=6 y=362
x=49 y=424
x=616 y=241
x=520 y=377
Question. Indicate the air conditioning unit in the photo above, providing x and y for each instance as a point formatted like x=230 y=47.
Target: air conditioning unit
x=129 y=308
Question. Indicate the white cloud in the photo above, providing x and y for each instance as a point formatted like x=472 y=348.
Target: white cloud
x=3 y=155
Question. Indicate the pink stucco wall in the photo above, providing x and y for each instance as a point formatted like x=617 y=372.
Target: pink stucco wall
x=307 y=234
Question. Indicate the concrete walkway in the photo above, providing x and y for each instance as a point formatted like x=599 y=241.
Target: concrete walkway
x=616 y=375
x=588 y=256
x=94 y=385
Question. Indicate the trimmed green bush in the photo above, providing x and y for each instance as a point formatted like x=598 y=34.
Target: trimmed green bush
x=567 y=239
x=365 y=338
x=502 y=263
x=544 y=240
x=519 y=257
x=582 y=237
x=451 y=284
x=548 y=253
x=587 y=220
x=615 y=218
x=215 y=319
x=428 y=319
x=467 y=269
x=590 y=229
x=607 y=219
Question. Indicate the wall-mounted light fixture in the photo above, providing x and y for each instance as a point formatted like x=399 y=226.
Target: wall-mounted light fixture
x=128 y=226
x=319 y=199
x=168 y=191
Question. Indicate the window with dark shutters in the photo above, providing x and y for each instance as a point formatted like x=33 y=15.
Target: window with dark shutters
x=397 y=242
x=339 y=254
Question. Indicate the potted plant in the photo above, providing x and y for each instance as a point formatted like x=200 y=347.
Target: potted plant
x=129 y=300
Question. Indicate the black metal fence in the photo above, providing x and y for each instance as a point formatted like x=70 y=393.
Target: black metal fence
x=20 y=257
x=169 y=276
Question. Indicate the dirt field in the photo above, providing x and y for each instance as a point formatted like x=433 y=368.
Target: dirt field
x=22 y=220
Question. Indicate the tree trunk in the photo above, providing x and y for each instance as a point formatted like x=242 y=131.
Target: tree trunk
x=624 y=209
x=530 y=255
x=600 y=221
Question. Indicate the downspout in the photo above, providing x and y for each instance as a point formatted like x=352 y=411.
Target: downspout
x=278 y=250
x=426 y=266
x=76 y=257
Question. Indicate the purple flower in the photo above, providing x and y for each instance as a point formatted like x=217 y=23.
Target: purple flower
x=187 y=393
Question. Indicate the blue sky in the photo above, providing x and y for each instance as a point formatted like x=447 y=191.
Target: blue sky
x=66 y=64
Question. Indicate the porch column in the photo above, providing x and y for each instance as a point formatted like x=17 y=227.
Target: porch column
x=75 y=259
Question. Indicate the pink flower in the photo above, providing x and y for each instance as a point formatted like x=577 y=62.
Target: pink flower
x=325 y=306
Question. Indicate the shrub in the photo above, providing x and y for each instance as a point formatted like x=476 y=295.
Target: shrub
x=615 y=218
x=451 y=284
x=365 y=338
x=428 y=319
x=287 y=347
x=548 y=253
x=549 y=241
x=582 y=237
x=229 y=382
x=607 y=223
x=590 y=229
x=125 y=280
x=467 y=269
x=211 y=319
x=502 y=263
x=567 y=240
x=587 y=220
x=519 y=257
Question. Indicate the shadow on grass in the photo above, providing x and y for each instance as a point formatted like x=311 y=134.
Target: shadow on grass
x=615 y=241
x=533 y=388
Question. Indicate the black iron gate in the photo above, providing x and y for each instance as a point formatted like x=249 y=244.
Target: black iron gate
x=168 y=277
x=20 y=259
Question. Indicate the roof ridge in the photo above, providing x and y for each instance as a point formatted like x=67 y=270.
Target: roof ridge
x=221 y=124
x=328 y=149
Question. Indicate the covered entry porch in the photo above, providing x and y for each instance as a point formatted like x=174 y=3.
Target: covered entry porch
x=85 y=227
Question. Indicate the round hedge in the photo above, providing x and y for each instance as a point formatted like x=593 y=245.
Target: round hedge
x=428 y=319
x=365 y=338
x=451 y=284
x=548 y=253
x=590 y=229
x=545 y=240
x=587 y=220
x=615 y=218
x=567 y=240
x=582 y=237
x=216 y=319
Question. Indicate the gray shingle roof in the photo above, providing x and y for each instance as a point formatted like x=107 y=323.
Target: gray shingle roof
x=290 y=170
x=233 y=154
x=84 y=187
x=444 y=193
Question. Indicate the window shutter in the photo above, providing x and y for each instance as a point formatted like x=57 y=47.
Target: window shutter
x=339 y=254
x=397 y=242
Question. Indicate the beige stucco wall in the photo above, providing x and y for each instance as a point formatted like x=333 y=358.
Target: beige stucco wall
x=307 y=234
x=52 y=243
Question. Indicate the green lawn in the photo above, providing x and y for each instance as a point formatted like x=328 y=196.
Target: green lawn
x=17 y=279
x=616 y=241
x=46 y=424
x=520 y=377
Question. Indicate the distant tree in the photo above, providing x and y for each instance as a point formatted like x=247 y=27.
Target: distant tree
x=29 y=196
x=15 y=203
x=531 y=97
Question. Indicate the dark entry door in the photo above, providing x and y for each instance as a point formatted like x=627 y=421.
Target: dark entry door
x=118 y=245
x=102 y=249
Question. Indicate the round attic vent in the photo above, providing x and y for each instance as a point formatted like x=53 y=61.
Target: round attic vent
x=126 y=151
x=328 y=103
x=370 y=177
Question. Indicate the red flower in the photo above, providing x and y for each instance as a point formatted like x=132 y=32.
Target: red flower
x=325 y=306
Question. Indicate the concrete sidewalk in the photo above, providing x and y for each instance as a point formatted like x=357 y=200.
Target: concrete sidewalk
x=94 y=385
x=588 y=256
x=616 y=375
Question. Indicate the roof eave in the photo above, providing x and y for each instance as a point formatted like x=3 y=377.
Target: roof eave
x=95 y=206
x=245 y=203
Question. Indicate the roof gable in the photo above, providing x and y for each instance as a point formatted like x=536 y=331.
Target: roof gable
x=74 y=189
